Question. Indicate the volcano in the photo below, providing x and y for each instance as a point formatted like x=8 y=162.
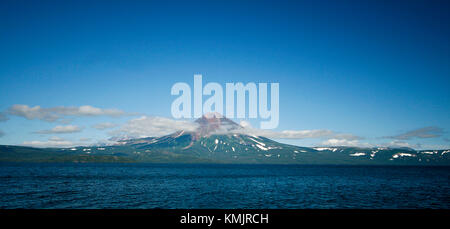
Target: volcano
x=220 y=140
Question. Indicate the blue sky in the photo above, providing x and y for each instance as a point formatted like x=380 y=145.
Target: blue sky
x=373 y=70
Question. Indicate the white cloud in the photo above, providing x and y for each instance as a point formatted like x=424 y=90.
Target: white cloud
x=147 y=126
x=104 y=125
x=52 y=142
x=285 y=134
x=57 y=142
x=397 y=144
x=357 y=143
x=55 y=113
x=344 y=142
x=61 y=130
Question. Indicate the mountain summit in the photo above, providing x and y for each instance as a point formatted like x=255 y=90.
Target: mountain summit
x=215 y=123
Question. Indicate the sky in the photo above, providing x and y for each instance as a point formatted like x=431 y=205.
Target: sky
x=359 y=73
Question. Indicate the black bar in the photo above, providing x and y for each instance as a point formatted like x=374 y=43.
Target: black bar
x=148 y=218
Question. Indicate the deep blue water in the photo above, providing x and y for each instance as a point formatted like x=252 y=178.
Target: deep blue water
x=221 y=186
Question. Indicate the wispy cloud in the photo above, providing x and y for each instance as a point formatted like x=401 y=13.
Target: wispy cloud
x=358 y=143
x=56 y=113
x=425 y=132
x=286 y=134
x=61 y=130
x=58 y=142
x=398 y=143
x=148 y=126
x=51 y=142
x=2 y=133
x=344 y=142
x=104 y=125
x=391 y=144
x=293 y=134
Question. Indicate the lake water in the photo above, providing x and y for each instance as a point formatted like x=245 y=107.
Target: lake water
x=221 y=186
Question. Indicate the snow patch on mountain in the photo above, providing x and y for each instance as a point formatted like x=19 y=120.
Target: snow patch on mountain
x=397 y=155
x=262 y=147
x=357 y=154
x=325 y=148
